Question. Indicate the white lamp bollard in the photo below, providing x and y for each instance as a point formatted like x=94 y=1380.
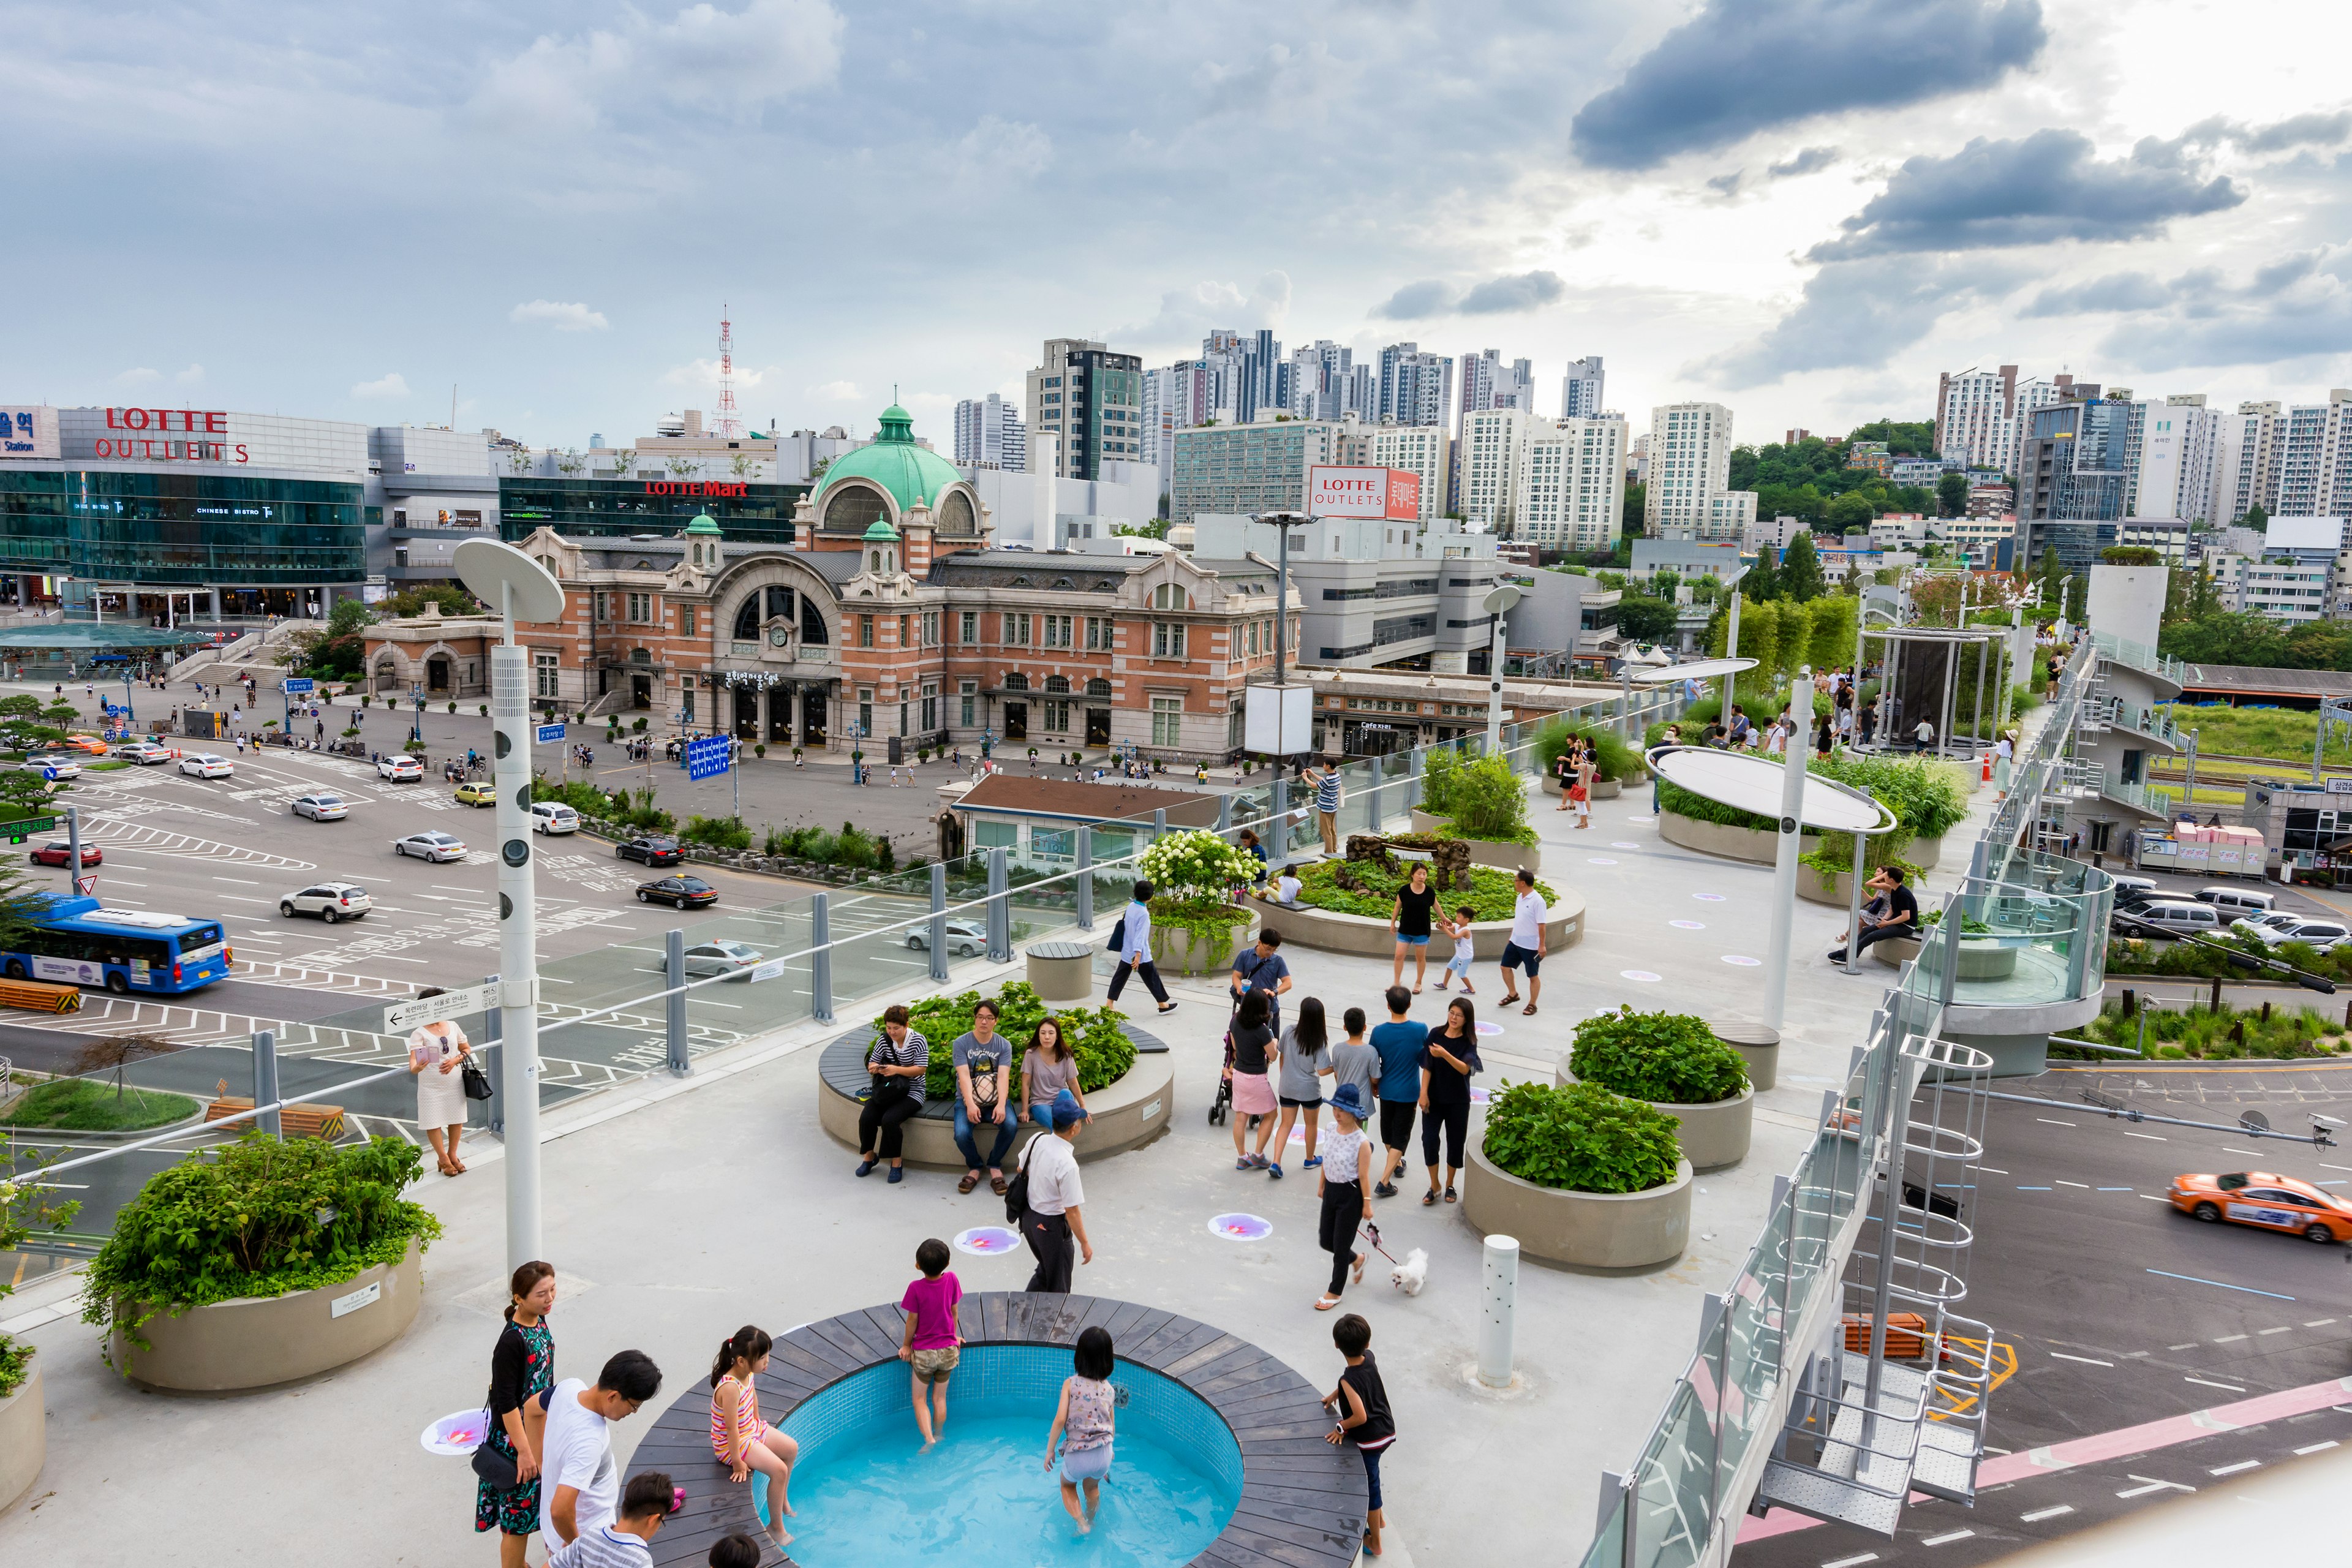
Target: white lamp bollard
x=1497 y=1309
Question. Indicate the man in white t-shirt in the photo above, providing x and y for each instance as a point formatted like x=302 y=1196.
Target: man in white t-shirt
x=580 y=1484
x=1525 y=950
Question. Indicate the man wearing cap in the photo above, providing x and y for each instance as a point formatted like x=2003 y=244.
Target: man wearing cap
x=1051 y=1216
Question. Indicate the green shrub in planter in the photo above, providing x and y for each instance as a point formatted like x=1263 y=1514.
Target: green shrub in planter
x=717 y=832
x=1104 y=1051
x=261 y=1217
x=1670 y=1059
x=453 y=705
x=1489 y=802
x=1581 y=1139
x=1615 y=760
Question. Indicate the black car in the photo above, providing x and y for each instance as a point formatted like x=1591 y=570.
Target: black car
x=652 y=851
x=684 y=892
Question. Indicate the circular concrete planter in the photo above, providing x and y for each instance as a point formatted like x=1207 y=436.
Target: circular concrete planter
x=1839 y=893
x=258 y=1341
x=1126 y=1113
x=1607 y=789
x=1978 y=960
x=1751 y=844
x=1182 y=953
x=1758 y=1046
x=1925 y=852
x=1329 y=930
x=1484 y=851
x=1711 y=1135
x=23 y=1440
x=1589 y=1230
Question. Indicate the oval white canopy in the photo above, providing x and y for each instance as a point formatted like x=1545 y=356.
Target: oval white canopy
x=1753 y=783
x=1697 y=669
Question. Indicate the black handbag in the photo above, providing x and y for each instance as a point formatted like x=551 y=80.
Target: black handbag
x=477 y=1081
x=492 y=1465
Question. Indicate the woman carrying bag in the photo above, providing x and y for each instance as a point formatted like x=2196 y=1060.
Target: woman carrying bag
x=522 y=1368
x=439 y=1056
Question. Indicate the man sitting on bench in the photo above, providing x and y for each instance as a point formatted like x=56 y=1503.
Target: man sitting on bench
x=1901 y=919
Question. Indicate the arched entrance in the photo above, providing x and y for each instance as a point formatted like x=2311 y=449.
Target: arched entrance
x=436 y=673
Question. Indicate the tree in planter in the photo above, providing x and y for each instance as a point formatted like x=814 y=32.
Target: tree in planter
x=1615 y=759
x=1671 y=1058
x=117 y=1052
x=1580 y=1139
x=453 y=705
x=1489 y=803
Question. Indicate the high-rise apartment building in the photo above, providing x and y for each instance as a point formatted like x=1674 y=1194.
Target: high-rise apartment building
x=1488 y=453
x=990 y=434
x=2071 y=476
x=1247 y=469
x=1488 y=383
x=2249 y=480
x=1091 y=401
x=1981 y=414
x=2180 y=449
x=1326 y=383
x=1581 y=390
x=1569 y=491
x=1421 y=449
x=1688 y=495
x=1416 y=388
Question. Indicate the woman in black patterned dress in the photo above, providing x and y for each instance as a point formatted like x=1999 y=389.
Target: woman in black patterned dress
x=522 y=1367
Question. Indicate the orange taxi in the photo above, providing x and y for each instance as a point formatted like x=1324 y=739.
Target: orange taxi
x=2265 y=1202
x=91 y=744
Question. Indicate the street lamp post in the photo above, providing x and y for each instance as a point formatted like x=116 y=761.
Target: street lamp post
x=1498 y=603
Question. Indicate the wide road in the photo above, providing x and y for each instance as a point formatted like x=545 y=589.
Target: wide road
x=2115 y=1312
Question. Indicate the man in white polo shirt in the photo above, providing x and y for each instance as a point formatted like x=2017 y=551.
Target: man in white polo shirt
x=1051 y=1217
x=1525 y=950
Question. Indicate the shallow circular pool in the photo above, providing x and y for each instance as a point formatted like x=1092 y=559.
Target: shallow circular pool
x=865 y=1495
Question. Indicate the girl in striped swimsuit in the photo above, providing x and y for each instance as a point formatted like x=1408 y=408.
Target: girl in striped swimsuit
x=743 y=1442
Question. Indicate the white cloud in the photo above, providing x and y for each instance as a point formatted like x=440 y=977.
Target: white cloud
x=705 y=60
x=391 y=385
x=1188 y=315
x=563 y=316
x=1002 y=151
x=139 y=376
x=838 y=391
x=190 y=376
x=700 y=373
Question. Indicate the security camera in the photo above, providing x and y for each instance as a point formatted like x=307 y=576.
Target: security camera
x=2332 y=1123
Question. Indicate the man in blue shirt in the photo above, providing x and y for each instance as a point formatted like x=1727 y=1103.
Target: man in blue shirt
x=1261 y=967
x=1398 y=1043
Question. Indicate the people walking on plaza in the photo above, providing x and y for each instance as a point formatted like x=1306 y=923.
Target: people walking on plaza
x=896 y=1063
x=1466 y=948
x=580 y=1487
x=1304 y=1062
x=738 y=1438
x=1398 y=1044
x=1086 y=1412
x=1053 y=1198
x=931 y=1344
x=1353 y=1060
x=626 y=1541
x=1448 y=1058
x=1048 y=1070
x=983 y=1076
x=1252 y=1038
x=1525 y=950
x=2003 y=750
x=437 y=1056
x=1132 y=942
x=522 y=1367
x=1345 y=1191
x=1409 y=925
x=1261 y=967
x=1361 y=1406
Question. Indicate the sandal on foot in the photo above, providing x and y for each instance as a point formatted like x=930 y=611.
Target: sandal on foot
x=1509 y=998
x=1326 y=1302
x=1528 y=1011
x=1429 y=1199
x=996 y=1185
x=970 y=1181
x=1449 y=1196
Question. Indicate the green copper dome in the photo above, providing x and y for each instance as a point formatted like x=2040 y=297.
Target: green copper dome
x=704 y=524
x=910 y=473
x=882 y=532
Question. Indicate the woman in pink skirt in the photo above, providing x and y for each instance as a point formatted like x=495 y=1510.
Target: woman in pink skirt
x=1253 y=1054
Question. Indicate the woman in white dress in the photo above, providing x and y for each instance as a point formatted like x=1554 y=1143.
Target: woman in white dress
x=435 y=1053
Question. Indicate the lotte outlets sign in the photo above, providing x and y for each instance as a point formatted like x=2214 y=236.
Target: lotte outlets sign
x=1393 y=493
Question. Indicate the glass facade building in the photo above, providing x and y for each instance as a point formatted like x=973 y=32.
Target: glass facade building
x=588 y=509
x=157 y=526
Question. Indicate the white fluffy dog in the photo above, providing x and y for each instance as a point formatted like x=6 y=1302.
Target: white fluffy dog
x=1411 y=1274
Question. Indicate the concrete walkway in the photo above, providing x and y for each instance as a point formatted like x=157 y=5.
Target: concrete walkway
x=679 y=1210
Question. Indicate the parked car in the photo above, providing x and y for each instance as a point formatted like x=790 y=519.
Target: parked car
x=434 y=847
x=400 y=769
x=2265 y=1202
x=652 y=851
x=553 y=816
x=477 y=794
x=2144 y=886
x=331 y=901
x=85 y=744
x=2321 y=934
x=144 y=752
x=55 y=768
x=707 y=958
x=682 y=892
x=59 y=852
x=320 y=807
x=2238 y=901
x=207 y=765
x=966 y=939
x=2168 y=918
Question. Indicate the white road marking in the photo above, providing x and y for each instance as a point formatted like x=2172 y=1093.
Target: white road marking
x=2150 y=1136
x=2227 y=1150
x=2152 y=1486
x=2040 y=1514
x=1995 y=1171
x=2209 y=1383
x=2233 y=1469
x=2229 y=1339
x=2315 y=1447
x=1948 y=1538
x=245 y=880
x=2189 y=1346
x=2064 y=1182
x=2086 y=1361
x=2052 y=1121
x=1852 y=1562
x=2285 y=1330
x=2318 y=1322
x=2154 y=1198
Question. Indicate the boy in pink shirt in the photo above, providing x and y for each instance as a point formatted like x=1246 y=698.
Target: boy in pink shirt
x=930 y=1342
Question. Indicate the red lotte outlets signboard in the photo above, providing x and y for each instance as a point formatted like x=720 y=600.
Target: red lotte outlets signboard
x=170 y=435
x=1393 y=493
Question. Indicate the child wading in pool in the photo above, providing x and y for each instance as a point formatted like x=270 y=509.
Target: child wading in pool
x=1087 y=1400
x=931 y=1344
x=1360 y=1405
x=743 y=1442
x=1458 y=966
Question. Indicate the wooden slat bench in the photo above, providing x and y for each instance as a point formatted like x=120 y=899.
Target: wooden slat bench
x=298 y=1121
x=40 y=996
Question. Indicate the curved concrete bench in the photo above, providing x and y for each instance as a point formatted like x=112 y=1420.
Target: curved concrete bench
x=1329 y=930
x=1127 y=1114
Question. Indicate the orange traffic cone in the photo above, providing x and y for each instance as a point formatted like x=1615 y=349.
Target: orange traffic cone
x=1987 y=776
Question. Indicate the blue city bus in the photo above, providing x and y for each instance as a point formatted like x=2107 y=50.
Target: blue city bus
x=79 y=942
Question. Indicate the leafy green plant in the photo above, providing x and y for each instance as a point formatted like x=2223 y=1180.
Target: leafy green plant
x=1580 y=1139
x=1095 y=1035
x=261 y=1217
x=1490 y=803
x=717 y=832
x=1439 y=770
x=1492 y=895
x=1193 y=866
x=1613 y=757
x=1667 y=1058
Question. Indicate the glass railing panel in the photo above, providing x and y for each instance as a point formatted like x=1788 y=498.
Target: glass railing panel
x=1674 y=1490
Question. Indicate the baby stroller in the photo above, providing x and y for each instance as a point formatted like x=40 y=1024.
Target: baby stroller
x=1222 y=1105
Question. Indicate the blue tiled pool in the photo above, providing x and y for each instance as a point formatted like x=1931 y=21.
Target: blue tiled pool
x=865 y=1495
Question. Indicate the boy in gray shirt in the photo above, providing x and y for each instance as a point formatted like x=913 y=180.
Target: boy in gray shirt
x=1353 y=1060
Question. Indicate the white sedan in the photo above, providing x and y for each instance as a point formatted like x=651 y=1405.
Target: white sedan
x=206 y=766
x=433 y=847
x=2276 y=930
x=55 y=768
x=966 y=939
x=400 y=769
x=331 y=901
x=320 y=807
x=144 y=752
x=707 y=958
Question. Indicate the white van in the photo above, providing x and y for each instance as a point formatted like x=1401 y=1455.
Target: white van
x=2238 y=901
x=553 y=816
x=2170 y=917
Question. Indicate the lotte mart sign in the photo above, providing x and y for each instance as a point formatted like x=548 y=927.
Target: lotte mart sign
x=1394 y=493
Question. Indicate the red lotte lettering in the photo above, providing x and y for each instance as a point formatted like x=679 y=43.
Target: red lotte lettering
x=215 y=420
x=695 y=488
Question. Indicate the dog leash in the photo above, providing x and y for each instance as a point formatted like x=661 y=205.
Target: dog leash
x=1371 y=1233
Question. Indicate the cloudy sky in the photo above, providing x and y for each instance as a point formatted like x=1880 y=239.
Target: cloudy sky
x=1804 y=208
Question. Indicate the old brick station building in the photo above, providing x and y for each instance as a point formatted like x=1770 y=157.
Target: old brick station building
x=888 y=615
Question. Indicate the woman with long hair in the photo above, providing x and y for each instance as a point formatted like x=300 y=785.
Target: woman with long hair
x=522 y=1367
x=1252 y=1039
x=743 y=1442
x=1047 y=1067
x=1306 y=1061
x=1446 y=1063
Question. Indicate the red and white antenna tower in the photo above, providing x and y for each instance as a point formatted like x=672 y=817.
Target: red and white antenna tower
x=731 y=423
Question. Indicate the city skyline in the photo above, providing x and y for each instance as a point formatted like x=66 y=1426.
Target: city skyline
x=1973 y=204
